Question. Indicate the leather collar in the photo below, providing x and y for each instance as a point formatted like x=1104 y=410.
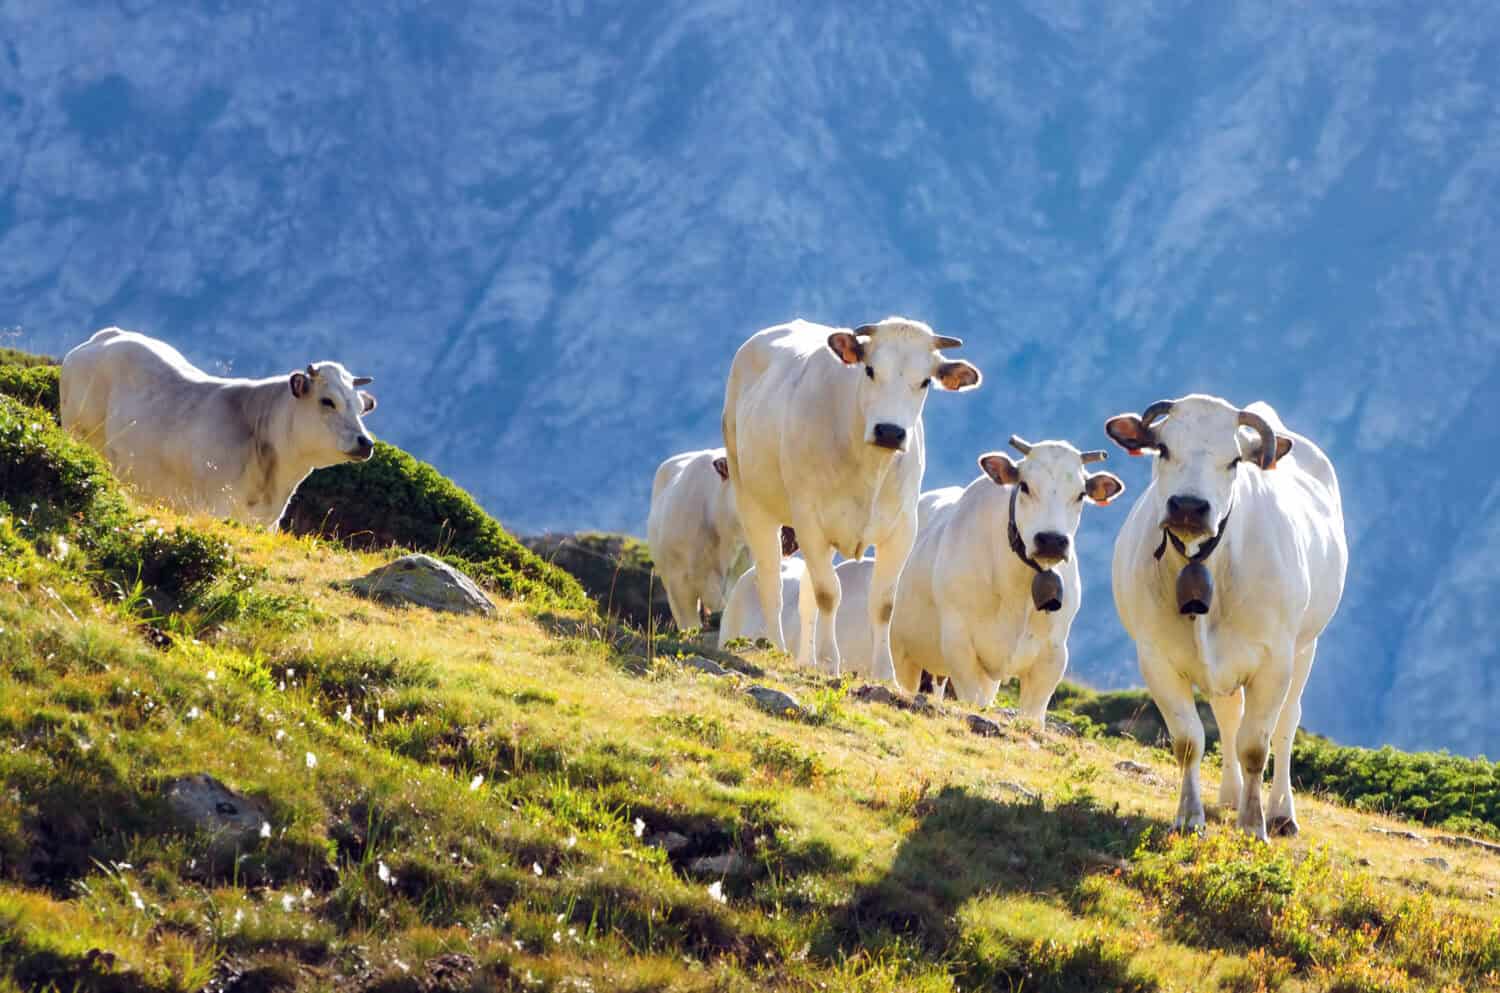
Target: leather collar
x=1204 y=550
x=1012 y=532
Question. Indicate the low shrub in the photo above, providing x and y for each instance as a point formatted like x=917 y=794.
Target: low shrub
x=34 y=385
x=615 y=570
x=49 y=481
x=395 y=499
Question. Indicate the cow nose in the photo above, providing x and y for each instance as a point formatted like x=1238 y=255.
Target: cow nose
x=889 y=435
x=1187 y=508
x=363 y=447
x=1051 y=545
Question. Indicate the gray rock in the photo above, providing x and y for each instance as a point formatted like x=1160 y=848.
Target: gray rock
x=1459 y=841
x=1438 y=862
x=423 y=581
x=670 y=842
x=775 y=701
x=232 y=820
x=704 y=665
x=982 y=726
x=1403 y=835
x=1018 y=789
x=728 y=864
x=1133 y=767
x=880 y=693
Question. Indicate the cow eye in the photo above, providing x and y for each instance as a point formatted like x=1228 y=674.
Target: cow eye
x=926 y=382
x=1024 y=488
x=1234 y=462
x=1162 y=453
x=328 y=403
x=870 y=371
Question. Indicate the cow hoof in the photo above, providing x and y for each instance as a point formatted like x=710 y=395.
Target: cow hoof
x=1284 y=827
x=1190 y=829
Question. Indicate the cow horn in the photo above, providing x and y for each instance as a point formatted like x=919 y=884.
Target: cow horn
x=1097 y=455
x=867 y=330
x=1157 y=411
x=363 y=380
x=1020 y=444
x=311 y=372
x=1258 y=424
x=944 y=341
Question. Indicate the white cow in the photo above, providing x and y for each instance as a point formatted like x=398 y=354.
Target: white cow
x=824 y=432
x=694 y=532
x=233 y=448
x=991 y=588
x=743 y=619
x=1230 y=566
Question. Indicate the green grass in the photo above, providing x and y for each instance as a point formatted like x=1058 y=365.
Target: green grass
x=527 y=802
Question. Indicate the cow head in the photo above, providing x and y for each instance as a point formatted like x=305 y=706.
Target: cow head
x=898 y=360
x=1201 y=444
x=1051 y=486
x=330 y=413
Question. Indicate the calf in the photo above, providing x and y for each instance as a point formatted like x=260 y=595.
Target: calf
x=694 y=532
x=991 y=589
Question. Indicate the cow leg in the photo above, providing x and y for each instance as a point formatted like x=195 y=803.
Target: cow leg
x=1283 y=816
x=1174 y=698
x=890 y=557
x=1227 y=712
x=763 y=539
x=819 y=647
x=684 y=606
x=1040 y=680
x=1264 y=696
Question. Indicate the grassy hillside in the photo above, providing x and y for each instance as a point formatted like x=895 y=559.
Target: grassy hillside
x=537 y=801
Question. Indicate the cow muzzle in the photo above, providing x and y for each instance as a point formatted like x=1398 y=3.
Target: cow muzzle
x=1050 y=548
x=1187 y=516
x=890 y=436
x=362 y=450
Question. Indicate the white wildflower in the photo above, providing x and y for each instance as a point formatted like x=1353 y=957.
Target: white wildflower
x=312 y=761
x=536 y=868
x=383 y=872
x=194 y=714
x=135 y=898
x=571 y=842
x=716 y=890
x=348 y=713
x=211 y=675
x=380 y=715
x=265 y=829
x=640 y=827
x=288 y=902
x=476 y=782
x=280 y=734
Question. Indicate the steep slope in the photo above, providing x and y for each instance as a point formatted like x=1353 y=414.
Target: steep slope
x=546 y=229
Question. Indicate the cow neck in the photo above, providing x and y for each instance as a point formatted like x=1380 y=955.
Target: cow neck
x=1013 y=533
x=1204 y=550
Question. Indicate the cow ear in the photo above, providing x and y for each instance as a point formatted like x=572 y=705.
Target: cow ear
x=721 y=466
x=847 y=346
x=299 y=384
x=1252 y=448
x=1129 y=432
x=368 y=399
x=1103 y=487
x=999 y=467
x=958 y=376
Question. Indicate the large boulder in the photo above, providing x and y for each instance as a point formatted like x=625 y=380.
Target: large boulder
x=231 y=820
x=423 y=581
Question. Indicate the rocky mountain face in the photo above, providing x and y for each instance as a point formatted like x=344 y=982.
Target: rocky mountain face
x=544 y=228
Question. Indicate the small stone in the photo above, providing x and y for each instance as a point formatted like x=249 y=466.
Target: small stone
x=1018 y=789
x=1133 y=767
x=231 y=819
x=1403 y=835
x=880 y=693
x=727 y=864
x=423 y=581
x=705 y=665
x=982 y=726
x=1438 y=862
x=670 y=842
x=775 y=701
